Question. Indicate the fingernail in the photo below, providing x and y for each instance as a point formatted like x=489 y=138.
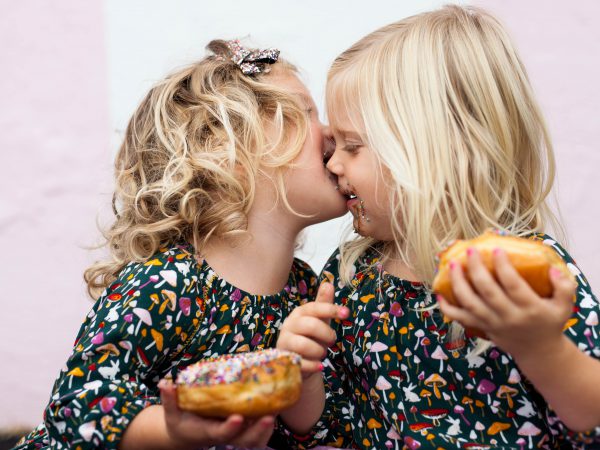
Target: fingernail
x=555 y=273
x=497 y=251
x=321 y=367
x=343 y=312
x=162 y=384
x=267 y=423
x=469 y=251
x=439 y=298
x=452 y=265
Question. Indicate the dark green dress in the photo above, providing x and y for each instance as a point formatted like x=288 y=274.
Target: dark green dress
x=394 y=381
x=157 y=317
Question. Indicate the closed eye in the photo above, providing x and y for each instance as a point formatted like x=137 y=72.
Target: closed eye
x=351 y=148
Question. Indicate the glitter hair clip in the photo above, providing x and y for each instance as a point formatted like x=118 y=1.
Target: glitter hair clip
x=252 y=62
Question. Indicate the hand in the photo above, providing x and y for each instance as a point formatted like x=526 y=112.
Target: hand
x=188 y=430
x=307 y=331
x=512 y=315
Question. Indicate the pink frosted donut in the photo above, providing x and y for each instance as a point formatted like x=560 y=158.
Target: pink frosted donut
x=252 y=384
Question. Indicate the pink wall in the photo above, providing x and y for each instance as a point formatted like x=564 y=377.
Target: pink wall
x=559 y=43
x=55 y=164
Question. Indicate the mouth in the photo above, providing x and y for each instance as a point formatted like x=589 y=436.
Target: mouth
x=353 y=202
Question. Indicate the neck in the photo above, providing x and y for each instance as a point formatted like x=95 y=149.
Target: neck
x=394 y=265
x=260 y=262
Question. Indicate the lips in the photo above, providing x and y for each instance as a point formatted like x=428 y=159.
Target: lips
x=352 y=200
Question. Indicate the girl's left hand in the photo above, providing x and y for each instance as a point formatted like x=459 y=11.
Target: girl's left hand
x=508 y=310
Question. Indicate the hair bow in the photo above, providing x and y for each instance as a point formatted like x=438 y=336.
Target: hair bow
x=252 y=62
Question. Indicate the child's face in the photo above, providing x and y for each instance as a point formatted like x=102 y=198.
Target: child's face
x=310 y=187
x=360 y=179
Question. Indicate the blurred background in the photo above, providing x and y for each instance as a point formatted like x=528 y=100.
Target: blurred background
x=73 y=72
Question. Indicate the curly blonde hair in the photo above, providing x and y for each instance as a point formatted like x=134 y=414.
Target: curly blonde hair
x=193 y=150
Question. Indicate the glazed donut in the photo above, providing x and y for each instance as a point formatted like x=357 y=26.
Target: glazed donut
x=252 y=384
x=531 y=258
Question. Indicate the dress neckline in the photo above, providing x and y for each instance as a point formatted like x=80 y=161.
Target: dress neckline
x=202 y=265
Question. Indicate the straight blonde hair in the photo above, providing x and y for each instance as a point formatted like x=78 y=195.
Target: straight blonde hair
x=193 y=151
x=449 y=112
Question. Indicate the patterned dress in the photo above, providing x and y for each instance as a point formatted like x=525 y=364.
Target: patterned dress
x=157 y=317
x=394 y=381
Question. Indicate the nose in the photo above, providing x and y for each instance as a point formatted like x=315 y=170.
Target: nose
x=328 y=145
x=333 y=163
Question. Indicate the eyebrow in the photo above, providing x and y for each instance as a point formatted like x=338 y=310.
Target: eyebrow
x=347 y=133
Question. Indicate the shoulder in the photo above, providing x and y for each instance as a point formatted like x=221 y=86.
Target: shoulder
x=331 y=269
x=563 y=253
x=171 y=268
x=552 y=243
x=304 y=279
x=364 y=262
x=301 y=269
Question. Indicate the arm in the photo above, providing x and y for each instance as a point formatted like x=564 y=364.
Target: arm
x=506 y=310
x=307 y=332
x=108 y=391
x=166 y=427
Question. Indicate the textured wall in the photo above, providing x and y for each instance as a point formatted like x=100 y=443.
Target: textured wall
x=55 y=164
x=559 y=43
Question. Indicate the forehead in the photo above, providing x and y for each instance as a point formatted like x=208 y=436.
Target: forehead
x=291 y=83
x=343 y=114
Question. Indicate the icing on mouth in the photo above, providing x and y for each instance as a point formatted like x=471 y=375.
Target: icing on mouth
x=356 y=205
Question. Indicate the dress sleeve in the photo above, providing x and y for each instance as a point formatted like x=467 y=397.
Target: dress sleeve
x=582 y=329
x=305 y=282
x=122 y=350
x=331 y=429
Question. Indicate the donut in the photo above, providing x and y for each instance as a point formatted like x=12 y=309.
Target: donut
x=253 y=384
x=531 y=258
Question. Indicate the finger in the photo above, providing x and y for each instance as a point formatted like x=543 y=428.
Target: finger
x=485 y=285
x=308 y=367
x=325 y=296
x=455 y=313
x=168 y=398
x=464 y=294
x=513 y=284
x=306 y=348
x=325 y=293
x=257 y=435
x=315 y=329
x=225 y=431
x=324 y=311
x=565 y=289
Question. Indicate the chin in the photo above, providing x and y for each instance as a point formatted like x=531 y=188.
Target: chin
x=369 y=229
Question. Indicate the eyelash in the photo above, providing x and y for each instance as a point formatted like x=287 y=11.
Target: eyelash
x=352 y=148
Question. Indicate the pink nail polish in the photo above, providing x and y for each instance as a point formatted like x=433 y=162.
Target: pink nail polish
x=469 y=251
x=321 y=367
x=452 y=265
x=497 y=251
x=555 y=273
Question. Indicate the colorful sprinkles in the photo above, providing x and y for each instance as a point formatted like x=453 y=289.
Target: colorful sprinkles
x=226 y=369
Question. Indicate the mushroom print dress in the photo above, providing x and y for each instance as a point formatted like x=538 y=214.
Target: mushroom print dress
x=394 y=381
x=157 y=317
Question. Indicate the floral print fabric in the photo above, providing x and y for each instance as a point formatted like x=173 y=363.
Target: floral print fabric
x=394 y=381
x=157 y=317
